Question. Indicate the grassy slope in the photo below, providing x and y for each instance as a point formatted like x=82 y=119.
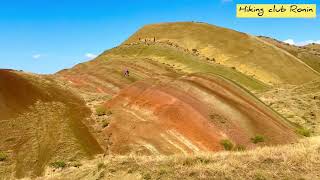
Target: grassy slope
x=232 y=49
x=314 y=47
x=295 y=161
x=45 y=126
x=183 y=62
x=299 y=104
x=309 y=54
x=247 y=53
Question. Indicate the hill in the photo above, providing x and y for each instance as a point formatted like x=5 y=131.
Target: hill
x=309 y=54
x=247 y=53
x=191 y=100
x=314 y=47
x=41 y=123
x=191 y=89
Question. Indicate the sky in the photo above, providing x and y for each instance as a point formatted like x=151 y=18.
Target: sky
x=45 y=36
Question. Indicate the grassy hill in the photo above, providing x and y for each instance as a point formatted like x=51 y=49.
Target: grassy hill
x=191 y=91
x=41 y=123
x=309 y=54
x=314 y=47
x=247 y=53
x=180 y=92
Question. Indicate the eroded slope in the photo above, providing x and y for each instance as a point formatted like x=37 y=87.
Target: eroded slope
x=189 y=114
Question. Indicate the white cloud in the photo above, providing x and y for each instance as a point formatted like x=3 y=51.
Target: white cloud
x=36 y=56
x=90 y=55
x=302 y=43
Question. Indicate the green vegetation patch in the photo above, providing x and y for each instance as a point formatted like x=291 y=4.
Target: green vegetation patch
x=102 y=111
x=3 y=156
x=101 y=166
x=58 y=164
x=227 y=144
x=105 y=124
x=258 y=139
x=304 y=132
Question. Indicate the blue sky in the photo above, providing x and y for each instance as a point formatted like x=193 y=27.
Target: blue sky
x=45 y=36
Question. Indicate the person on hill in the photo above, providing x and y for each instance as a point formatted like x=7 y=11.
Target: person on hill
x=126 y=72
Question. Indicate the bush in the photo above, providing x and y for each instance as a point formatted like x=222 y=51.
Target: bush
x=227 y=144
x=101 y=111
x=101 y=166
x=304 y=132
x=147 y=176
x=58 y=164
x=3 y=156
x=105 y=124
x=257 y=139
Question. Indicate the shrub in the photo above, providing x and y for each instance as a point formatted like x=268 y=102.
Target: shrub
x=3 y=156
x=101 y=110
x=101 y=166
x=147 y=176
x=58 y=164
x=257 y=139
x=105 y=124
x=227 y=144
x=304 y=132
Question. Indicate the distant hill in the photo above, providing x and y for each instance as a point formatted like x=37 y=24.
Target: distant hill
x=309 y=54
x=314 y=47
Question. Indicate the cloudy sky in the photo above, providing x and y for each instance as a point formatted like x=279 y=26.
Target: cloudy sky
x=44 y=36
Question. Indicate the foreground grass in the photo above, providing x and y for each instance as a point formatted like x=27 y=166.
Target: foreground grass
x=294 y=161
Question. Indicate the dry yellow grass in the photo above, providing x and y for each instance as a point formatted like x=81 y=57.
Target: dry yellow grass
x=49 y=127
x=249 y=54
x=294 y=161
x=299 y=104
x=309 y=54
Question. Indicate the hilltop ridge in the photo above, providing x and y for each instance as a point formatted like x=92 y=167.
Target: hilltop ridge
x=231 y=48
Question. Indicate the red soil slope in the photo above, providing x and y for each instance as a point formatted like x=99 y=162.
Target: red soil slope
x=189 y=114
x=160 y=109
